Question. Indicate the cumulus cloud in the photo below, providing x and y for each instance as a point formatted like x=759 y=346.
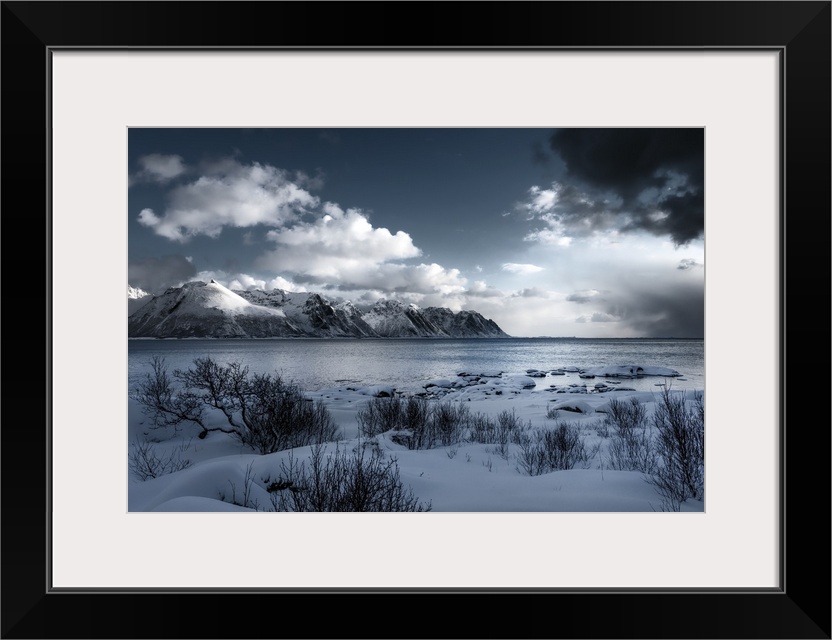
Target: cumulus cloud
x=480 y=289
x=160 y=168
x=688 y=263
x=233 y=195
x=338 y=242
x=622 y=180
x=342 y=250
x=246 y=282
x=532 y=292
x=315 y=244
x=583 y=296
x=523 y=269
x=156 y=274
x=390 y=278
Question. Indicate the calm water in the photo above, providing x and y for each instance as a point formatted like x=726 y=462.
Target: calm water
x=406 y=363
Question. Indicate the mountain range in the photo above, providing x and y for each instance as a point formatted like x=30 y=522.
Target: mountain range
x=210 y=310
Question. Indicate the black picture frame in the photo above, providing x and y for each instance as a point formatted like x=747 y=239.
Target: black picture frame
x=799 y=31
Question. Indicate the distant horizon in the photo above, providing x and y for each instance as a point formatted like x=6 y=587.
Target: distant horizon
x=584 y=233
x=367 y=306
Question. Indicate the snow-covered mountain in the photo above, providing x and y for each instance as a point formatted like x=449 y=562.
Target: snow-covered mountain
x=312 y=314
x=199 y=310
x=136 y=299
x=211 y=310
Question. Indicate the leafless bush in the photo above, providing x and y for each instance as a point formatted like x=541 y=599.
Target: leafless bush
x=342 y=481
x=482 y=429
x=680 y=442
x=244 y=497
x=446 y=426
x=262 y=410
x=166 y=405
x=379 y=415
x=631 y=447
x=145 y=462
x=507 y=428
x=414 y=412
x=547 y=450
x=626 y=415
x=278 y=416
x=418 y=423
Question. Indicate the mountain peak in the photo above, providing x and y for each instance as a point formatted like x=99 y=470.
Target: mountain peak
x=197 y=309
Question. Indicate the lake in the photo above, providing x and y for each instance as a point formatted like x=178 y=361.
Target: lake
x=407 y=363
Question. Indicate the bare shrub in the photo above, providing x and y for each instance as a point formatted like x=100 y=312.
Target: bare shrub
x=447 y=425
x=262 y=410
x=414 y=412
x=166 y=405
x=680 y=442
x=482 y=429
x=626 y=414
x=342 y=481
x=631 y=447
x=145 y=462
x=547 y=450
x=379 y=415
x=417 y=423
x=507 y=428
x=278 y=416
x=244 y=497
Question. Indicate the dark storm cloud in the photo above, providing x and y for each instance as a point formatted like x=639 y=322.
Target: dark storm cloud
x=653 y=177
x=155 y=274
x=673 y=310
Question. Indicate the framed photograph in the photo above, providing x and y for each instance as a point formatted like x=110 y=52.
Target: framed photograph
x=138 y=134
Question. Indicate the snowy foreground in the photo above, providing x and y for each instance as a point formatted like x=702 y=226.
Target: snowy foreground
x=220 y=473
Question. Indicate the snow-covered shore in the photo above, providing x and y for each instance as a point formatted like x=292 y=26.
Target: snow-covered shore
x=219 y=473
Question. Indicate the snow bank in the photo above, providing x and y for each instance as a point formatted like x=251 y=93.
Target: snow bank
x=630 y=371
x=463 y=477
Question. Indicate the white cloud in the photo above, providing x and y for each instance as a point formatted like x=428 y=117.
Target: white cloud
x=542 y=200
x=523 y=269
x=534 y=292
x=340 y=246
x=343 y=251
x=688 y=263
x=246 y=282
x=389 y=278
x=157 y=167
x=480 y=289
x=237 y=196
x=148 y=218
x=163 y=167
x=583 y=296
x=554 y=233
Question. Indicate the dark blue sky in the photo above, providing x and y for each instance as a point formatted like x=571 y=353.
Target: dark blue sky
x=570 y=232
